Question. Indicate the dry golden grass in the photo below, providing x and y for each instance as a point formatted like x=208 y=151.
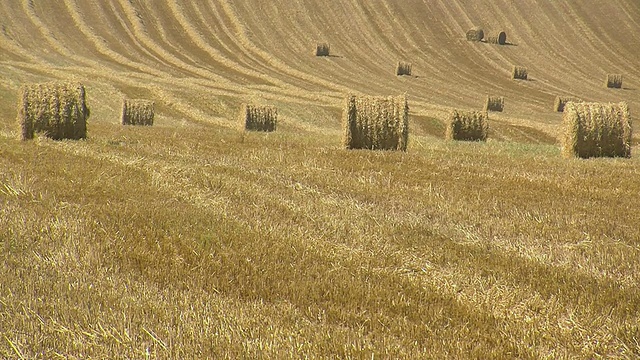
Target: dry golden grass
x=57 y=110
x=595 y=130
x=494 y=103
x=137 y=112
x=188 y=244
x=375 y=123
x=519 y=73
x=467 y=126
x=189 y=240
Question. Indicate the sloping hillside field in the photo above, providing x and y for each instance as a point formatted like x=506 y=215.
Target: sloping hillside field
x=195 y=238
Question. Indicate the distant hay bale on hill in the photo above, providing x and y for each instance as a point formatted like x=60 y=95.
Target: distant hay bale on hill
x=467 y=126
x=403 y=68
x=258 y=118
x=494 y=103
x=500 y=38
x=596 y=130
x=614 y=81
x=376 y=123
x=475 y=34
x=561 y=101
x=58 y=110
x=519 y=73
x=137 y=112
x=322 y=49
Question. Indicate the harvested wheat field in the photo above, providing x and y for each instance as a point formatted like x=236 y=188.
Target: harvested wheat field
x=193 y=239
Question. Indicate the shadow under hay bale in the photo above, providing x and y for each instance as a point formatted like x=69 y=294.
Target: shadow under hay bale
x=137 y=112
x=258 y=118
x=519 y=73
x=561 y=101
x=500 y=38
x=596 y=130
x=57 y=110
x=475 y=34
x=467 y=126
x=376 y=123
x=403 y=68
x=494 y=103
x=322 y=49
x=614 y=81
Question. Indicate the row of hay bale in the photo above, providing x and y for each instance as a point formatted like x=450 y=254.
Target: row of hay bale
x=589 y=129
x=477 y=34
x=402 y=67
x=59 y=111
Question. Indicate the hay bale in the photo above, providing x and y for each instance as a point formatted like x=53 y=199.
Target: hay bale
x=561 y=101
x=403 y=68
x=58 y=110
x=500 y=38
x=322 y=49
x=137 y=112
x=376 y=123
x=596 y=130
x=519 y=73
x=258 y=118
x=614 y=81
x=467 y=126
x=494 y=103
x=475 y=34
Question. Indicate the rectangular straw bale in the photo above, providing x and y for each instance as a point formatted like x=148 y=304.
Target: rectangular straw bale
x=258 y=118
x=467 y=126
x=58 y=110
x=376 y=123
x=596 y=130
x=561 y=101
x=322 y=49
x=137 y=112
x=519 y=73
x=403 y=68
x=614 y=81
x=494 y=103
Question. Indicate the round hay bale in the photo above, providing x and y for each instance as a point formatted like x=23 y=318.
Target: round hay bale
x=258 y=117
x=137 y=112
x=467 y=126
x=475 y=34
x=596 y=130
x=375 y=123
x=502 y=38
x=58 y=110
